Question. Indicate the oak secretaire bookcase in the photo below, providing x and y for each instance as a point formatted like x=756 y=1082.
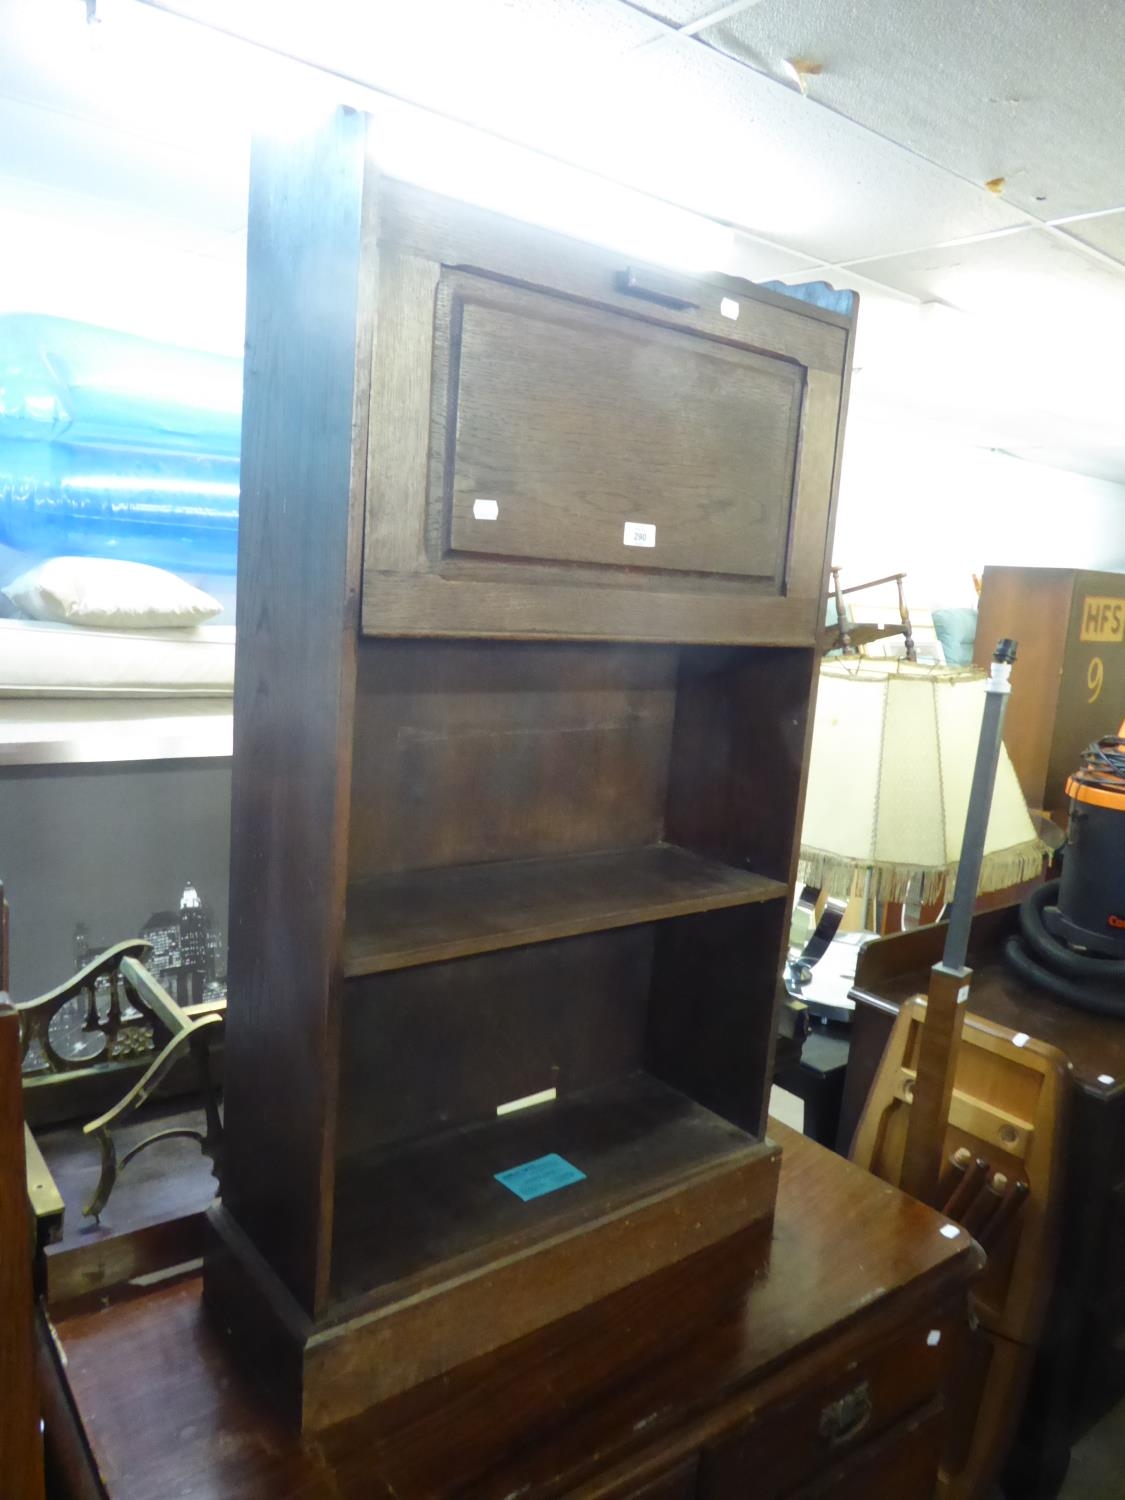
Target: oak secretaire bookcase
x=532 y=551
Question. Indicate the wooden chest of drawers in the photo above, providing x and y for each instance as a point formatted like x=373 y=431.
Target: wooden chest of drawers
x=823 y=1375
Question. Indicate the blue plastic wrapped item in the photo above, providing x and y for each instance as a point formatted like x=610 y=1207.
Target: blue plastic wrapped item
x=115 y=446
x=173 y=510
x=817 y=293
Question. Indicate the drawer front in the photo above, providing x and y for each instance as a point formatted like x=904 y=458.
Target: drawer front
x=582 y=435
x=790 y=1441
x=901 y=1465
x=677 y=1482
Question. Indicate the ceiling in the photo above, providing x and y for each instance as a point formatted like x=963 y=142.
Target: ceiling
x=967 y=156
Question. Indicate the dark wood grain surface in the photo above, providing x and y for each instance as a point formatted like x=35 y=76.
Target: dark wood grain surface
x=550 y=568
x=1079 y=1371
x=852 y=1263
x=738 y=757
x=452 y=1042
x=154 y=1218
x=1068 y=685
x=21 y=1447
x=308 y=332
x=1031 y=606
x=713 y=1020
x=896 y=968
x=468 y=752
x=576 y=421
x=429 y=915
x=501 y=808
x=436 y=1203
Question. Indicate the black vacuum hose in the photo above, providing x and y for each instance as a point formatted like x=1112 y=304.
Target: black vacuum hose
x=1076 y=978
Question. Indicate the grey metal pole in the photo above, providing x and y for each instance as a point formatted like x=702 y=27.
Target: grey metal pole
x=997 y=690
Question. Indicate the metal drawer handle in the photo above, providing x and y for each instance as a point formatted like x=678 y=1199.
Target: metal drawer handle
x=842 y=1421
x=665 y=291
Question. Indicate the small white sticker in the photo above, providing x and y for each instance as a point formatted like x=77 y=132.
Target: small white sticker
x=962 y=994
x=544 y=1096
x=951 y=1231
x=729 y=308
x=485 y=510
x=1105 y=1079
x=1020 y=1039
x=639 y=534
x=933 y=1338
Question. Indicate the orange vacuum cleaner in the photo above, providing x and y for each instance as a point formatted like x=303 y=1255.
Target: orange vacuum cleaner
x=1072 y=930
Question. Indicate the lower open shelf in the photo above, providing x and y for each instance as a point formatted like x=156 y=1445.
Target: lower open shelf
x=429 y=1209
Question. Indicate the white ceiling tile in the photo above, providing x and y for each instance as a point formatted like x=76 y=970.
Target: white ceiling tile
x=199 y=191
x=1027 y=90
x=1106 y=233
x=680 y=12
x=758 y=262
x=1098 y=458
x=483 y=62
x=744 y=149
x=684 y=124
x=1029 y=275
x=1025 y=349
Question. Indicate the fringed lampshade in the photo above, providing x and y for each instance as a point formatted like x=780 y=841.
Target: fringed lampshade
x=893 y=749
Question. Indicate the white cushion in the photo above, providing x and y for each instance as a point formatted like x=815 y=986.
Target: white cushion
x=40 y=659
x=106 y=591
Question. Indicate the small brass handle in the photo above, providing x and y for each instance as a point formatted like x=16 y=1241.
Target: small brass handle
x=842 y=1421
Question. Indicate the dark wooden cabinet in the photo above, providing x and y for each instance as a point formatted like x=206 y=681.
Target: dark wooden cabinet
x=1070 y=626
x=531 y=550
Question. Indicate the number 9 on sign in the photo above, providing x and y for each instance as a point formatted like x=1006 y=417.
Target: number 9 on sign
x=1095 y=678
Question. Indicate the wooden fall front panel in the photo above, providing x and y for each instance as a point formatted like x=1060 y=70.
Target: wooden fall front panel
x=554 y=410
x=558 y=448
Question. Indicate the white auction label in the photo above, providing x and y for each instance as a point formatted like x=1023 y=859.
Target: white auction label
x=485 y=510
x=639 y=534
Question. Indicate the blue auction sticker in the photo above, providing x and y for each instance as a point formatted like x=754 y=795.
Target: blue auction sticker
x=546 y=1174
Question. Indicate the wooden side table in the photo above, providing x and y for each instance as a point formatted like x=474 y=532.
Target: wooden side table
x=823 y=1374
x=1080 y=1368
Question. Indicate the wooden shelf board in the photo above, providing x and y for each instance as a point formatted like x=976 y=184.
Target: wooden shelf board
x=426 y=916
x=429 y=1209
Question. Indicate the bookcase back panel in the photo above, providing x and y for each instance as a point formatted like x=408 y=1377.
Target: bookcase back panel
x=738 y=752
x=431 y=1048
x=712 y=1016
x=581 y=434
x=467 y=753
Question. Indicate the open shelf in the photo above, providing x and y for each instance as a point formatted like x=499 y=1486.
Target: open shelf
x=432 y=1207
x=426 y=916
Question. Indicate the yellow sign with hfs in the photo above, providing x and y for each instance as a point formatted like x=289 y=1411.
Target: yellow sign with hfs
x=1102 y=619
